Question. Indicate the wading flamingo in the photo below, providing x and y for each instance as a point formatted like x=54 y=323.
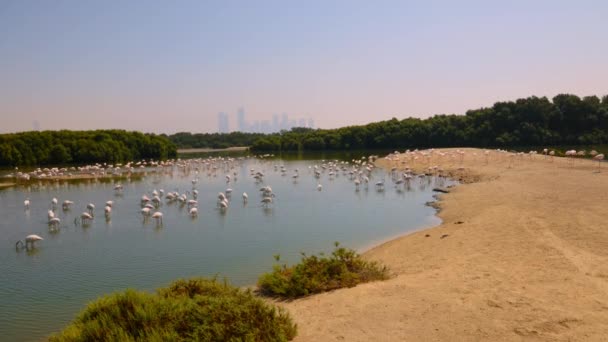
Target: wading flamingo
x=599 y=159
x=158 y=216
x=29 y=241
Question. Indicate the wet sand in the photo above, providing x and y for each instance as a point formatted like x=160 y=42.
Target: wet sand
x=202 y=150
x=6 y=185
x=522 y=255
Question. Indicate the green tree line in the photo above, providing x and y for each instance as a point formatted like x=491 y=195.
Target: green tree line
x=533 y=121
x=214 y=140
x=80 y=147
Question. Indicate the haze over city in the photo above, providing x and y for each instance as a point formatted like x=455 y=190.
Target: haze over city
x=136 y=64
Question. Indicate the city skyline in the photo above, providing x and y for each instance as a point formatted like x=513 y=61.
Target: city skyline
x=70 y=64
x=272 y=125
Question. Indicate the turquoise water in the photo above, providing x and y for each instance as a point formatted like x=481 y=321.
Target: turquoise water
x=43 y=289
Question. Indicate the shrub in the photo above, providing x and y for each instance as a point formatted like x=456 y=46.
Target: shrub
x=314 y=274
x=188 y=310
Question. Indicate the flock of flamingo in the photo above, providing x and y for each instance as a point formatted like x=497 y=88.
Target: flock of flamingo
x=359 y=171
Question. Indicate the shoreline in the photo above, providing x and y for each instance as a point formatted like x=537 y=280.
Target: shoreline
x=520 y=254
x=206 y=150
x=6 y=185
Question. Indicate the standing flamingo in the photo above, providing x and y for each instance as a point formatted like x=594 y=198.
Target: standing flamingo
x=158 y=216
x=599 y=158
x=29 y=241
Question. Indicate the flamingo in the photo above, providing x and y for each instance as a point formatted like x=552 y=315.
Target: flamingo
x=26 y=203
x=319 y=187
x=54 y=202
x=85 y=217
x=158 y=216
x=599 y=158
x=223 y=204
x=66 y=204
x=108 y=210
x=245 y=197
x=29 y=240
x=50 y=214
x=91 y=208
x=193 y=212
x=54 y=222
x=266 y=201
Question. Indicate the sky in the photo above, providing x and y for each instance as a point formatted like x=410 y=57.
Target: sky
x=171 y=66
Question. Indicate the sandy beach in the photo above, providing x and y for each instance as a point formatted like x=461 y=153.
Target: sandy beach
x=6 y=185
x=522 y=255
x=204 y=150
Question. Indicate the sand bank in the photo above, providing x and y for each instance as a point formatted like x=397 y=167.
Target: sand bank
x=203 y=150
x=522 y=254
x=6 y=185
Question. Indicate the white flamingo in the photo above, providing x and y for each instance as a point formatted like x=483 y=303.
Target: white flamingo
x=193 y=212
x=223 y=204
x=266 y=201
x=158 y=216
x=86 y=217
x=29 y=241
x=26 y=203
x=67 y=204
x=245 y=197
x=54 y=222
x=599 y=158
x=145 y=211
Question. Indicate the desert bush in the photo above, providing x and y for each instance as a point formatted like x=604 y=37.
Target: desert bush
x=314 y=274
x=187 y=310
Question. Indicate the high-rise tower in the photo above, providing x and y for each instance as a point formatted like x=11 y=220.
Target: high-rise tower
x=222 y=123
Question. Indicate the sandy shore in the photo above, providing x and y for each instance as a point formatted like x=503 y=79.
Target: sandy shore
x=6 y=185
x=524 y=257
x=201 y=150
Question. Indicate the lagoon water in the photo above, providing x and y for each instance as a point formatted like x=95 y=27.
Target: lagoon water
x=43 y=289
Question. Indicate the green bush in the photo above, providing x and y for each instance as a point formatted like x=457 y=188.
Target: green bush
x=188 y=310
x=315 y=274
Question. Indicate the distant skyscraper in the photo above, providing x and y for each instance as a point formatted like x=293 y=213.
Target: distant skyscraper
x=275 y=123
x=302 y=122
x=311 y=123
x=222 y=123
x=284 y=121
x=240 y=120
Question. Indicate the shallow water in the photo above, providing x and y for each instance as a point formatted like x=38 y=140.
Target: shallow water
x=43 y=289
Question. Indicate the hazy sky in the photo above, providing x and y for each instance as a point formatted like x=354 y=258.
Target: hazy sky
x=168 y=66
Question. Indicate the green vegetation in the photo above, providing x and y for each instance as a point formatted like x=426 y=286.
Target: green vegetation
x=188 y=310
x=533 y=121
x=315 y=274
x=80 y=147
x=214 y=140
